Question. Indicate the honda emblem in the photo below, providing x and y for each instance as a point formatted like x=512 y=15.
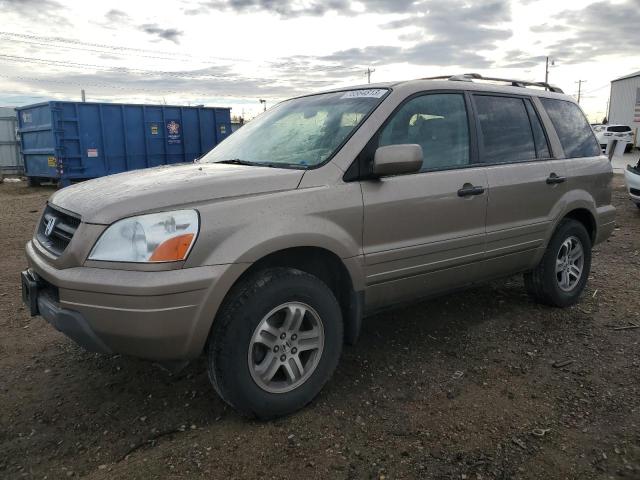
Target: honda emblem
x=50 y=225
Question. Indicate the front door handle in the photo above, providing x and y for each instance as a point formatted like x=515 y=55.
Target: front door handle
x=554 y=179
x=468 y=190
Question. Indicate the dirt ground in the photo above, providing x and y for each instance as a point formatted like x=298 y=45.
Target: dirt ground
x=452 y=388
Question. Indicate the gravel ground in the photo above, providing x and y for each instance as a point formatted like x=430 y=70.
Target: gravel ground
x=452 y=388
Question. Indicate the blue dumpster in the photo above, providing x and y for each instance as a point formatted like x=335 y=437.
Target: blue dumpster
x=67 y=141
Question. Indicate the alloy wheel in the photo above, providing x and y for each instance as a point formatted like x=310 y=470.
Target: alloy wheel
x=286 y=347
x=569 y=263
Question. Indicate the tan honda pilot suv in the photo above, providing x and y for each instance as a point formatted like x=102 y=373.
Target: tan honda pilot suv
x=266 y=254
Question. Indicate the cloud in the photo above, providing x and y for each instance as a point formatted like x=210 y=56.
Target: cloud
x=587 y=33
x=423 y=53
x=520 y=59
x=445 y=34
x=547 y=28
x=117 y=16
x=171 y=34
x=462 y=24
x=298 y=8
x=50 y=11
x=118 y=19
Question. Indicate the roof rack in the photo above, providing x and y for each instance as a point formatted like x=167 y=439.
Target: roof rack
x=470 y=77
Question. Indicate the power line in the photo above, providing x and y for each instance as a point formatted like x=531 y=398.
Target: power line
x=118 y=48
x=599 y=88
x=64 y=63
x=79 y=45
x=129 y=88
x=122 y=50
x=108 y=52
x=131 y=71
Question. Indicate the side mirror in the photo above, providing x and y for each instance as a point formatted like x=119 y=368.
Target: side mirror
x=397 y=159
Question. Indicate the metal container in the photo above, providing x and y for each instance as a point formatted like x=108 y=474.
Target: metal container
x=10 y=161
x=67 y=141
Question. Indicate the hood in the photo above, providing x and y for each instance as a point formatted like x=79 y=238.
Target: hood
x=107 y=199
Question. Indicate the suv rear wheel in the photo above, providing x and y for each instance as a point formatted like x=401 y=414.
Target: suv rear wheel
x=562 y=274
x=276 y=342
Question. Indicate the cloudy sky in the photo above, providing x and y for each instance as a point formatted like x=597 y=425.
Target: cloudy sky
x=234 y=52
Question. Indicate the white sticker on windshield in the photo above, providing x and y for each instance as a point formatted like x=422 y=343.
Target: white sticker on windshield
x=370 y=93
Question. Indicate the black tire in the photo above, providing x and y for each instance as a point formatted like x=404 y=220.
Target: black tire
x=542 y=282
x=33 y=182
x=245 y=307
x=628 y=148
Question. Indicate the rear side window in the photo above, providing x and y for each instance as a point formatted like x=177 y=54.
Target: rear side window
x=505 y=130
x=575 y=134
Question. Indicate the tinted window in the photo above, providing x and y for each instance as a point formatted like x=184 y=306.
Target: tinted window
x=438 y=123
x=575 y=134
x=542 y=147
x=619 y=128
x=505 y=130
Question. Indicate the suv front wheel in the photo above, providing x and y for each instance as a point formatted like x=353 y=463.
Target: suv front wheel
x=275 y=343
x=562 y=274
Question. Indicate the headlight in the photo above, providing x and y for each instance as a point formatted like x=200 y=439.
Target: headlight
x=158 y=237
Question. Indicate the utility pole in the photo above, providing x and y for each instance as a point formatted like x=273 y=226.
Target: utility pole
x=580 y=82
x=84 y=98
x=546 y=71
x=368 y=73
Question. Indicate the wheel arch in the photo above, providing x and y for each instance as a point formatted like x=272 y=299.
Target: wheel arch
x=586 y=218
x=323 y=264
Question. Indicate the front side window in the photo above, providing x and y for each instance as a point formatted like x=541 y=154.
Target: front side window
x=576 y=136
x=298 y=133
x=438 y=123
x=505 y=130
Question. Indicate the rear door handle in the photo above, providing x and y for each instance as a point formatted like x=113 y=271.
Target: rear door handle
x=554 y=179
x=468 y=190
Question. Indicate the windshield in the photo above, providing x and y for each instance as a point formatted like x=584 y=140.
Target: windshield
x=298 y=133
x=619 y=128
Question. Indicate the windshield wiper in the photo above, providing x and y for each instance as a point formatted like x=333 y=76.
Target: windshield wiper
x=237 y=161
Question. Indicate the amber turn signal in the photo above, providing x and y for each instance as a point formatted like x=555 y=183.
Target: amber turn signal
x=175 y=248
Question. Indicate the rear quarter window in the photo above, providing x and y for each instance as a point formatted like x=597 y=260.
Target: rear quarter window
x=576 y=135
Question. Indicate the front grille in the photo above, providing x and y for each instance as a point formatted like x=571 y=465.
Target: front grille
x=56 y=230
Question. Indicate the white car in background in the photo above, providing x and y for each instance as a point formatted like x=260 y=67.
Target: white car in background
x=632 y=179
x=606 y=133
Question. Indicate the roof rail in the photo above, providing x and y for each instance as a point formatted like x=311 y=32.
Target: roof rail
x=470 y=77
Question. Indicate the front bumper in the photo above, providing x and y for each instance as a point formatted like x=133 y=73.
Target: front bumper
x=632 y=180
x=163 y=315
x=41 y=300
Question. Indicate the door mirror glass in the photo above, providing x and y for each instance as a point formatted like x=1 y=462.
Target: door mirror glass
x=397 y=159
